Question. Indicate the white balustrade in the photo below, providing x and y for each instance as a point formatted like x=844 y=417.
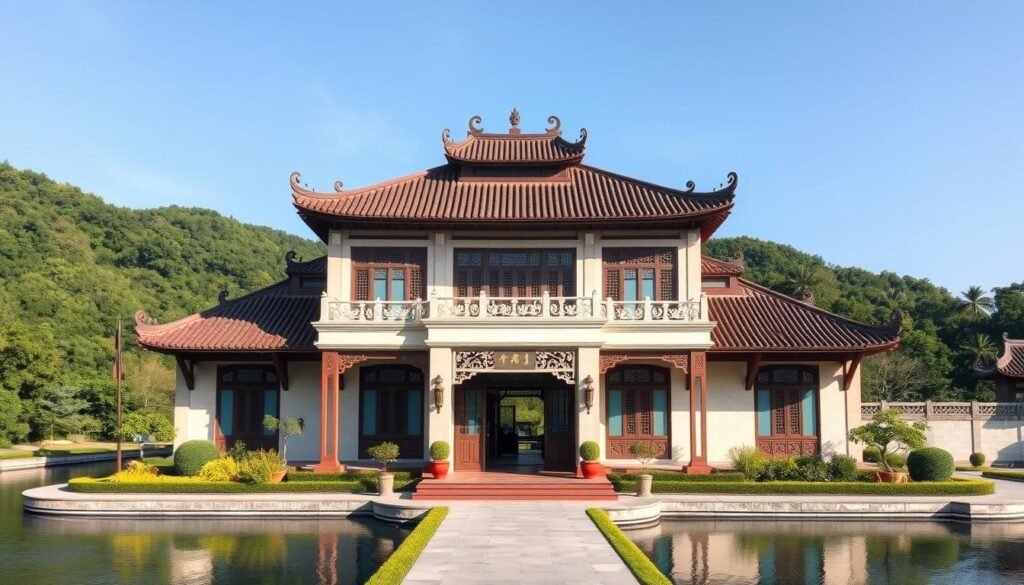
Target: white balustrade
x=483 y=306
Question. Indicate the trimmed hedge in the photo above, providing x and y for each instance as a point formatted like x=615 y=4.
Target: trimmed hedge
x=394 y=570
x=89 y=485
x=404 y=480
x=999 y=474
x=192 y=455
x=930 y=464
x=721 y=476
x=955 y=487
x=977 y=459
x=642 y=567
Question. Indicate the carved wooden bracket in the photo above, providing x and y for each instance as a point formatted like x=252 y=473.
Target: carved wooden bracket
x=753 y=364
x=849 y=369
x=680 y=361
x=188 y=371
x=348 y=360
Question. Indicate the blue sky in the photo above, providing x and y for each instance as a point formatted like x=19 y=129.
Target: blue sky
x=886 y=135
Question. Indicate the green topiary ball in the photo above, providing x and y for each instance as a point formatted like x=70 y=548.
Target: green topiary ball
x=440 y=451
x=977 y=459
x=191 y=456
x=930 y=464
x=590 y=451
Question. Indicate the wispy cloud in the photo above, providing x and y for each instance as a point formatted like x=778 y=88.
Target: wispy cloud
x=359 y=132
x=141 y=186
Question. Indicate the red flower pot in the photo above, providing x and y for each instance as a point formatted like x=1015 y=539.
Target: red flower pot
x=591 y=469
x=439 y=469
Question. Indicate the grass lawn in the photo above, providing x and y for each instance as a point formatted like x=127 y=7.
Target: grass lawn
x=54 y=451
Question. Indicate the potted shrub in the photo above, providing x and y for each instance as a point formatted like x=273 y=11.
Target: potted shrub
x=261 y=467
x=385 y=453
x=288 y=428
x=891 y=435
x=590 y=452
x=645 y=453
x=439 y=453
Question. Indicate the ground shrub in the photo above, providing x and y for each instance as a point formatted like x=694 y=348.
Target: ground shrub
x=192 y=455
x=977 y=459
x=259 y=466
x=812 y=468
x=779 y=469
x=394 y=570
x=238 y=451
x=896 y=461
x=642 y=567
x=590 y=451
x=223 y=469
x=871 y=454
x=954 y=487
x=748 y=460
x=404 y=480
x=1003 y=474
x=663 y=475
x=930 y=464
x=136 y=471
x=170 y=484
x=842 y=468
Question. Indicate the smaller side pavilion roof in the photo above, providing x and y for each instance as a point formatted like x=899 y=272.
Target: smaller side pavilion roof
x=1011 y=363
x=760 y=320
x=266 y=320
x=714 y=267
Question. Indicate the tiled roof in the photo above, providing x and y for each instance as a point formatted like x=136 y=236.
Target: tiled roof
x=762 y=320
x=589 y=196
x=714 y=267
x=314 y=267
x=1011 y=363
x=270 y=319
x=514 y=149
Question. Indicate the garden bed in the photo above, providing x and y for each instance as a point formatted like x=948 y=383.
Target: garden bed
x=353 y=482
x=954 y=487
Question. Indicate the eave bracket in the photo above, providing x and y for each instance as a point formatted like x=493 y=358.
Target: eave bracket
x=753 y=365
x=849 y=369
x=188 y=371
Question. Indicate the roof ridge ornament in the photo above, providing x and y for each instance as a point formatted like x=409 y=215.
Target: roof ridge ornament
x=556 y=125
x=291 y=258
x=143 y=318
x=446 y=138
x=474 y=126
x=514 y=118
x=338 y=186
x=582 y=140
x=738 y=259
x=222 y=297
x=896 y=321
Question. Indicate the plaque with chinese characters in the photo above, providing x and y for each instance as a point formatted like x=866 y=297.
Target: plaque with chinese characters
x=561 y=364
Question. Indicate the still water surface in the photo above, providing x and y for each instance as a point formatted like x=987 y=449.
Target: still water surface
x=847 y=553
x=36 y=550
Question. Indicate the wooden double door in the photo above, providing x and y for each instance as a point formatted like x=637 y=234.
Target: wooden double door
x=475 y=429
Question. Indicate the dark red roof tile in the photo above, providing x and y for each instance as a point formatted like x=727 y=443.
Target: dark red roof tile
x=1011 y=363
x=762 y=320
x=714 y=267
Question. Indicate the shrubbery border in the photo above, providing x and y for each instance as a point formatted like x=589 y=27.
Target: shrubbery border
x=955 y=487
x=642 y=567
x=398 y=565
x=89 y=485
x=1003 y=474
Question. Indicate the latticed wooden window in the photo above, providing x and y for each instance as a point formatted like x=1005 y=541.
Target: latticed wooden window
x=515 y=273
x=634 y=274
x=787 y=401
x=391 y=408
x=391 y=274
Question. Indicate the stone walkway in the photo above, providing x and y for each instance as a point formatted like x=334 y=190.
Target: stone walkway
x=518 y=542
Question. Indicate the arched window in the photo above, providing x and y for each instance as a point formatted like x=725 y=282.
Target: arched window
x=391 y=409
x=638 y=409
x=245 y=394
x=787 y=410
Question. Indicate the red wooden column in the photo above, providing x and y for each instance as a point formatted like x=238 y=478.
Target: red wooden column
x=698 y=414
x=330 y=385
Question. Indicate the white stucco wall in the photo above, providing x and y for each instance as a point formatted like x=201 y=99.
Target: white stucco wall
x=731 y=416
x=302 y=400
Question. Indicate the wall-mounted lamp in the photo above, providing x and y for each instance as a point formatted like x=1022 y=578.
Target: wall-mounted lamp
x=438 y=383
x=588 y=392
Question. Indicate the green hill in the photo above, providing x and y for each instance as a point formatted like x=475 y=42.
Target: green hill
x=70 y=265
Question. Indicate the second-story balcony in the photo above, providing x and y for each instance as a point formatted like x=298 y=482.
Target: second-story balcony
x=482 y=307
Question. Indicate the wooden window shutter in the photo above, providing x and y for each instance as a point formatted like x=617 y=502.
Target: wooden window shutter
x=612 y=284
x=362 y=284
x=666 y=284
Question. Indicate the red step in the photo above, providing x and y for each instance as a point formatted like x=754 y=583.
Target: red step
x=515 y=488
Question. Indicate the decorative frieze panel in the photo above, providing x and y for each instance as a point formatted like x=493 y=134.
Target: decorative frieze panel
x=560 y=364
x=947 y=410
x=618 y=447
x=787 y=446
x=681 y=361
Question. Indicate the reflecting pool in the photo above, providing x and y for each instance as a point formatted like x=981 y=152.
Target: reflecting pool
x=830 y=552
x=51 y=549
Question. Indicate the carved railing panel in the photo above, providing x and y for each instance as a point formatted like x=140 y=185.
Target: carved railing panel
x=947 y=410
x=377 y=311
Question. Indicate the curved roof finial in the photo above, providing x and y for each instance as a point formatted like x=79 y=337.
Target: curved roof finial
x=583 y=137
x=474 y=127
x=338 y=185
x=291 y=257
x=446 y=137
x=223 y=296
x=556 y=125
x=896 y=321
x=143 y=318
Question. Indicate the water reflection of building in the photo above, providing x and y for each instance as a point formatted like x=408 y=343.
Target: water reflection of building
x=191 y=566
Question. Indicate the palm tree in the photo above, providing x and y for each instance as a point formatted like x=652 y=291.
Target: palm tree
x=976 y=302
x=802 y=280
x=980 y=348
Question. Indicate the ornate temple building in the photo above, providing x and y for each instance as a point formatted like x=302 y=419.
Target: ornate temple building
x=515 y=274
x=1007 y=371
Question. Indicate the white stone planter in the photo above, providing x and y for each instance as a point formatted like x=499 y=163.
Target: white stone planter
x=386 y=484
x=643 y=485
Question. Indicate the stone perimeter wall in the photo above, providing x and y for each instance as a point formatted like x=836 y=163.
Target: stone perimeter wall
x=993 y=428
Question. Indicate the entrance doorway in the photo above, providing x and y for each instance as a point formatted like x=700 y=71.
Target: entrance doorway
x=516 y=423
